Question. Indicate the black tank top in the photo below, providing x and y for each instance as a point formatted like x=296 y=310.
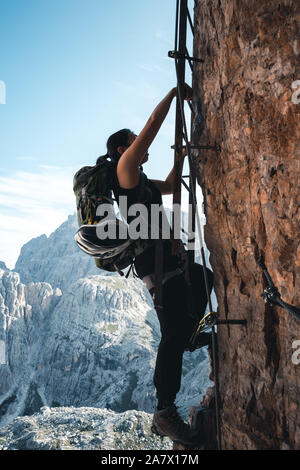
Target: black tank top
x=145 y=262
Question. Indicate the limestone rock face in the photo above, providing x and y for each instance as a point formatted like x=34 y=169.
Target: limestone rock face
x=93 y=345
x=69 y=338
x=247 y=101
x=85 y=428
x=56 y=259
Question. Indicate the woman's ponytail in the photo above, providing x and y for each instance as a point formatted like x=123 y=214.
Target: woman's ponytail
x=103 y=157
x=118 y=139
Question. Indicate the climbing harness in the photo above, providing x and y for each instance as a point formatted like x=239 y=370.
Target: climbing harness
x=271 y=294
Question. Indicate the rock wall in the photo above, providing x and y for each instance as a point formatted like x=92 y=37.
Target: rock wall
x=247 y=101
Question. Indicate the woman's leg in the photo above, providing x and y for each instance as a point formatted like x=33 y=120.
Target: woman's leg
x=176 y=328
x=198 y=288
x=177 y=325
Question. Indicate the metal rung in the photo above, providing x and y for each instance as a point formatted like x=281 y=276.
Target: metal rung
x=197 y=147
x=211 y=319
x=180 y=55
x=216 y=321
x=207 y=147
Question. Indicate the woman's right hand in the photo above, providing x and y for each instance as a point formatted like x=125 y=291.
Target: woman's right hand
x=188 y=92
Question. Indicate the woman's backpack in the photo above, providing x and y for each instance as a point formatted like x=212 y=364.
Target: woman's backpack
x=93 y=186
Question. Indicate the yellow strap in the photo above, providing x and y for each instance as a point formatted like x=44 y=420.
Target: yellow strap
x=201 y=323
x=89 y=213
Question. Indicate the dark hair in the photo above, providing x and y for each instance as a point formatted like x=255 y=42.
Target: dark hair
x=117 y=139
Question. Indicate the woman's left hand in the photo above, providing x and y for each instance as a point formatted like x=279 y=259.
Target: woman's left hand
x=188 y=92
x=184 y=151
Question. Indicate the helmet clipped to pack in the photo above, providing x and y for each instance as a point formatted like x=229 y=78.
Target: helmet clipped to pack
x=89 y=239
x=111 y=253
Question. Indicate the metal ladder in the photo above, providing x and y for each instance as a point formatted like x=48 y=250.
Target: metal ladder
x=180 y=54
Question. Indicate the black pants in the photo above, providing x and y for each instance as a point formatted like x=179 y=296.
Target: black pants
x=177 y=326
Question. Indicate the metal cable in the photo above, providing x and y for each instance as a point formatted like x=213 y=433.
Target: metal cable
x=194 y=201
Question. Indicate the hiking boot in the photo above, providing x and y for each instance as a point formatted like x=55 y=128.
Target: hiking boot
x=167 y=422
x=203 y=339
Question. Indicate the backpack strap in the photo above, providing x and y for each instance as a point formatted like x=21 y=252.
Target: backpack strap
x=145 y=193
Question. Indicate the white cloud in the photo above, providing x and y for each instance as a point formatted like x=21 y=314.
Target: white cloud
x=141 y=89
x=32 y=204
x=154 y=68
x=26 y=158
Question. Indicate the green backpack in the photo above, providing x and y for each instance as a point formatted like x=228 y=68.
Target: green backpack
x=95 y=185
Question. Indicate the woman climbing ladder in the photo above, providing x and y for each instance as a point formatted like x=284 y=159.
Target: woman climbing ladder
x=176 y=321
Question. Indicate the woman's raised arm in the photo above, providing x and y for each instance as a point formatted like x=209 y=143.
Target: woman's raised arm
x=128 y=171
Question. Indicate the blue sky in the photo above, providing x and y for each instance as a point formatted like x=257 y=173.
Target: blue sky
x=75 y=71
